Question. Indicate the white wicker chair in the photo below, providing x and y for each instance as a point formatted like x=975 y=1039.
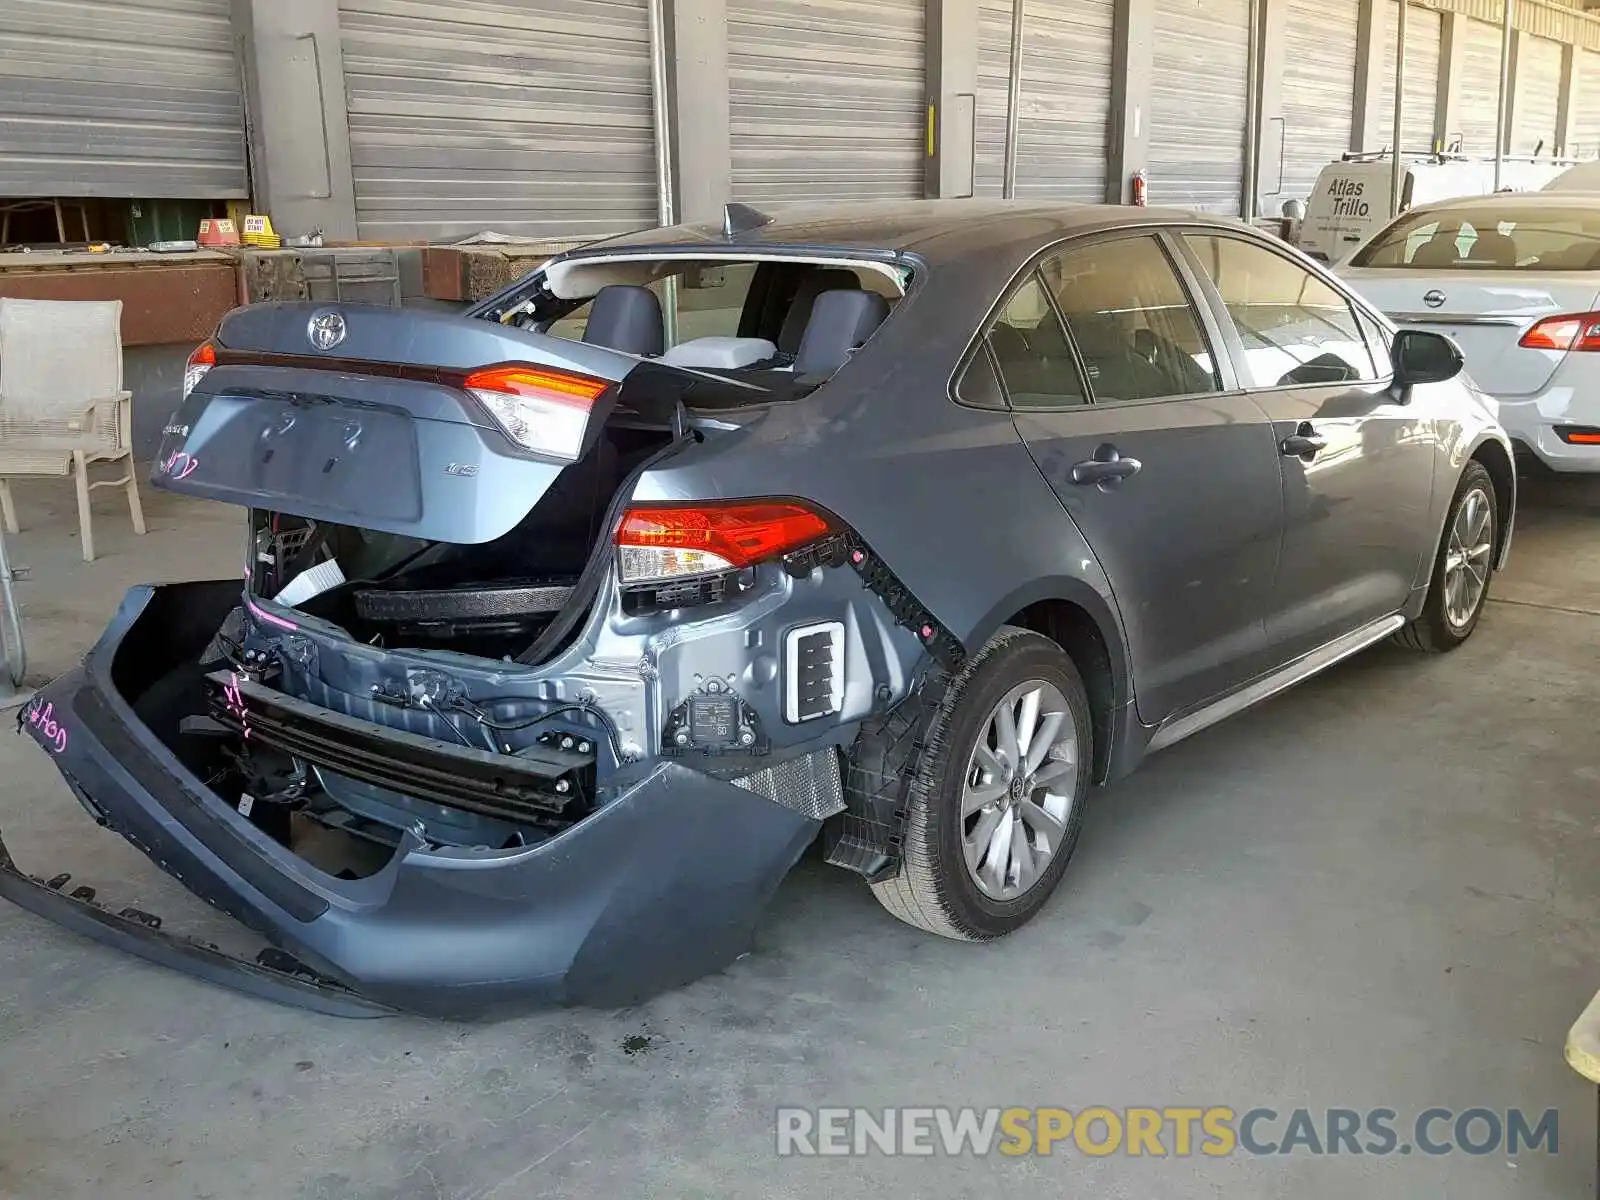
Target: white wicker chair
x=62 y=407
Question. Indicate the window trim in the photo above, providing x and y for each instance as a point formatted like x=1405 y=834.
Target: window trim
x=1160 y=232
x=1180 y=236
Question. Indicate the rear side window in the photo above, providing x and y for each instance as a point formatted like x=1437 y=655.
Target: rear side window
x=1296 y=329
x=1032 y=353
x=1513 y=237
x=1134 y=325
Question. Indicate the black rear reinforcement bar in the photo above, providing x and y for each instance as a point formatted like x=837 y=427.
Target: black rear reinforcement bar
x=521 y=788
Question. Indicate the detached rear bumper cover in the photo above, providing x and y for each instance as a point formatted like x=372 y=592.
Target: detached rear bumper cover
x=662 y=885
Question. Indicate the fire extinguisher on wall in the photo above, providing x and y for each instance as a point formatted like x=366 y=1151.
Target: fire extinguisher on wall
x=1139 y=192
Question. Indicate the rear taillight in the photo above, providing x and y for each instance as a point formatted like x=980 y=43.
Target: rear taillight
x=201 y=361
x=673 y=541
x=543 y=410
x=1569 y=331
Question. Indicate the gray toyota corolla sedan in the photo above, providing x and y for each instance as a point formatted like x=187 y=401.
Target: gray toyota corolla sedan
x=567 y=624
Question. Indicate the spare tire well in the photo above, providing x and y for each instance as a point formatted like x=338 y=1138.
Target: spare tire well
x=1075 y=631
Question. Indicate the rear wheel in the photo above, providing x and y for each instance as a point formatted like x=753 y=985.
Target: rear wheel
x=994 y=812
x=1461 y=572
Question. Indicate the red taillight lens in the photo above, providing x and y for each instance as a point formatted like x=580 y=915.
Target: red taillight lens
x=659 y=542
x=1570 y=331
x=541 y=409
x=201 y=361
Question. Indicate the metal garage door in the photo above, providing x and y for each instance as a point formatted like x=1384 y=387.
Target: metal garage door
x=527 y=117
x=105 y=98
x=1480 y=88
x=1424 y=30
x=1065 y=99
x=1585 y=137
x=1538 y=96
x=1319 y=83
x=826 y=100
x=1198 y=106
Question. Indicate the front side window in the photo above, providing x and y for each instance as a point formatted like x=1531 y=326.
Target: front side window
x=1137 y=331
x=1033 y=354
x=1296 y=329
x=1508 y=237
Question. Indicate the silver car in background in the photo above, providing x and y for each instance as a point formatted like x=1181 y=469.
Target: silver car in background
x=1514 y=278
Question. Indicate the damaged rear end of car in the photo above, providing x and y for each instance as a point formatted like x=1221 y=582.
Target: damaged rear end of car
x=474 y=726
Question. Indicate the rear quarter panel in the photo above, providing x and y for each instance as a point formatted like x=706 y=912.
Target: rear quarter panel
x=947 y=496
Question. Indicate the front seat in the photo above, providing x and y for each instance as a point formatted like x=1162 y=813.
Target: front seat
x=626 y=318
x=798 y=316
x=840 y=321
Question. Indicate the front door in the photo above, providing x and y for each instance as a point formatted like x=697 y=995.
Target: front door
x=1173 y=481
x=1357 y=462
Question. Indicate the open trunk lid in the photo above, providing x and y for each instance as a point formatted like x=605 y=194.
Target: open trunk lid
x=1487 y=314
x=423 y=424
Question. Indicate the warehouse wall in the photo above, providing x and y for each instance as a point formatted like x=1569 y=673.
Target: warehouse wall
x=409 y=120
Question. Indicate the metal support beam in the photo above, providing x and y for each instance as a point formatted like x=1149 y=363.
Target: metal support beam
x=1132 y=77
x=1452 y=69
x=1008 y=178
x=1267 y=130
x=952 y=97
x=1395 y=158
x=700 y=170
x=1572 y=85
x=1365 y=131
x=296 y=115
x=1502 y=131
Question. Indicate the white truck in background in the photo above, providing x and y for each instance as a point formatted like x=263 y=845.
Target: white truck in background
x=1350 y=200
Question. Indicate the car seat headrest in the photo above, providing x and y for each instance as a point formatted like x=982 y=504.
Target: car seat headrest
x=812 y=285
x=840 y=321
x=626 y=318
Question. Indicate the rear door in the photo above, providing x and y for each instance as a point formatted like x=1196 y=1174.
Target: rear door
x=1172 y=478
x=1357 y=461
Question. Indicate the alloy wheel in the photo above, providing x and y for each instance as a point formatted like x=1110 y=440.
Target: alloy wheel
x=1019 y=789
x=1466 y=559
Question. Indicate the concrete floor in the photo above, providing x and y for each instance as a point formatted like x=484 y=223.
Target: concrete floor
x=1380 y=890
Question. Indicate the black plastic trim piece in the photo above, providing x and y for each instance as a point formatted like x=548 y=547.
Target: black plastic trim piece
x=275 y=975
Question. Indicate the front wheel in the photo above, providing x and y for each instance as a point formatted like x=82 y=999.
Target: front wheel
x=994 y=811
x=1460 y=585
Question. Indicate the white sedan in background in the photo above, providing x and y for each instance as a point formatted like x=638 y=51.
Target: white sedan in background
x=1514 y=278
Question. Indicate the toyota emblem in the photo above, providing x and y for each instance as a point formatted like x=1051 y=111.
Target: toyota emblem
x=326 y=330
x=1433 y=299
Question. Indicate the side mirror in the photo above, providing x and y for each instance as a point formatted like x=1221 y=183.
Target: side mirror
x=1423 y=357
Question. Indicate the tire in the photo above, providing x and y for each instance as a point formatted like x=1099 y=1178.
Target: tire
x=935 y=890
x=1435 y=631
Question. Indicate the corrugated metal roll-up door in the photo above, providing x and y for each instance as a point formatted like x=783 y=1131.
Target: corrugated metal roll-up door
x=1584 y=139
x=1198 y=103
x=1065 y=98
x=1424 y=33
x=1480 y=89
x=1319 y=86
x=1538 y=96
x=826 y=100
x=526 y=117
x=141 y=99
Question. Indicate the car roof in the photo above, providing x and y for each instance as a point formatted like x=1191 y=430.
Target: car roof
x=1495 y=200
x=937 y=231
